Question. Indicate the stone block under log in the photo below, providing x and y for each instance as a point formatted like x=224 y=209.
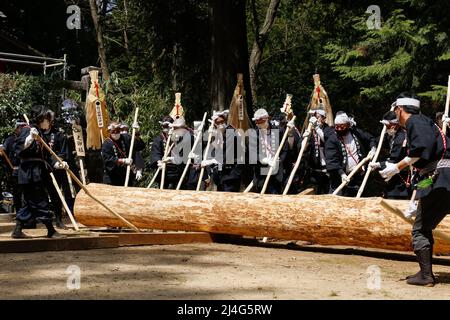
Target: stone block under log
x=321 y=219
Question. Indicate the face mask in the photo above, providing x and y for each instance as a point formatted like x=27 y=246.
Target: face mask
x=263 y=125
x=391 y=132
x=221 y=127
x=342 y=133
x=45 y=124
x=115 y=136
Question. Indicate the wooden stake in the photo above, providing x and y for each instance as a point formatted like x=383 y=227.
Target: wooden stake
x=299 y=159
x=250 y=187
x=130 y=154
x=154 y=178
x=74 y=177
x=166 y=154
x=205 y=155
x=3 y=153
x=277 y=155
x=63 y=201
x=83 y=176
x=437 y=233
x=72 y=189
x=447 y=107
x=354 y=171
x=197 y=140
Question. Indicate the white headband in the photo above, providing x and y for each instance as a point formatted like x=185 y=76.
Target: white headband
x=341 y=119
x=408 y=102
x=387 y=122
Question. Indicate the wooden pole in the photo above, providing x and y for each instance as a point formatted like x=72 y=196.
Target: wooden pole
x=83 y=176
x=249 y=188
x=130 y=154
x=72 y=189
x=205 y=155
x=374 y=159
x=197 y=140
x=277 y=155
x=63 y=201
x=154 y=178
x=354 y=171
x=3 y=153
x=447 y=107
x=74 y=177
x=439 y=234
x=166 y=154
x=299 y=159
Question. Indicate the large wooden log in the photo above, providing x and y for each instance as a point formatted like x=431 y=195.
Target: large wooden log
x=324 y=219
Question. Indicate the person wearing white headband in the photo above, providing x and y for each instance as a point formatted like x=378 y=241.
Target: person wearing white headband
x=429 y=152
x=115 y=153
x=343 y=152
x=394 y=149
x=223 y=167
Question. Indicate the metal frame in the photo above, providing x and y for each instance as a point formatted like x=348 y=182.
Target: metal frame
x=41 y=61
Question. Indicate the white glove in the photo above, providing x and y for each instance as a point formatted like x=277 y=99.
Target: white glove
x=290 y=125
x=313 y=120
x=168 y=159
x=136 y=126
x=58 y=165
x=446 y=120
x=34 y=133
x=390 y=171
x=193 y=156
x=139 y=175
x=371 y=153
x=345 y=178
x=267 y=162
x=206 y=163
x=375 y=165
x=160 y=164
x=306 y=134
x=411 y=211
x=126 y=161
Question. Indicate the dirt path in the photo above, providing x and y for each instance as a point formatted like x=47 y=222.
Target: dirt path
x=209 y=271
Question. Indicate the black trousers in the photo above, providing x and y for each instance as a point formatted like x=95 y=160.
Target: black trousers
x=233 y=185
x=431 y=210
x=36 y=205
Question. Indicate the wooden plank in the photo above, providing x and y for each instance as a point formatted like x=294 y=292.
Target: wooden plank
x=143 y=239
x=67 y=244
x=7 y=227
x=6 y=218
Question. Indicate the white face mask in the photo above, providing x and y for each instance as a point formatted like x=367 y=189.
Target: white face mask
x=391 y=132
x=263 y=125
x=45 y=125
x=115 y=136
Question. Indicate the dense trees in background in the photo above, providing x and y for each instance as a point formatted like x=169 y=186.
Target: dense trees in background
x=153 y=49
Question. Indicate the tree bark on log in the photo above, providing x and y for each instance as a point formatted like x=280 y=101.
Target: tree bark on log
x=324 y=219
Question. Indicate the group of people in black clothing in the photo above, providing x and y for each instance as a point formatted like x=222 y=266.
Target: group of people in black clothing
x=415 y=155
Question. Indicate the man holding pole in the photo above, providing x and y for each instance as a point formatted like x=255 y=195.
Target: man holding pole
x=344 y=150
x=263 y=146
x=115 y=155
x=429 y=152
x=33 y=174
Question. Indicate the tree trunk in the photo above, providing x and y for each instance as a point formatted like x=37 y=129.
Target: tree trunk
x=261 y=37
x=229 y=51
x=325 y=219
x=99 y=32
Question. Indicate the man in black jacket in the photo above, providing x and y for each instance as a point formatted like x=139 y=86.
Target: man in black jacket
x=115 y=152
x=263 y=145
x=33 y=174
x=225 y=166
x=429 y=152
x=344 y=150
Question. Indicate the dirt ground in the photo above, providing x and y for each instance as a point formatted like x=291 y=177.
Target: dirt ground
x=211 y=271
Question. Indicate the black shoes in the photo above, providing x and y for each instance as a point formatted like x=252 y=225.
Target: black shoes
x=17 y=233
x=52 y=233
x=425 y=276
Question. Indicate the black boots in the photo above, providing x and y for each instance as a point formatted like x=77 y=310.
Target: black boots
x=58 y=221
x=17 y=233
x=51 y=232
x=425 y=276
